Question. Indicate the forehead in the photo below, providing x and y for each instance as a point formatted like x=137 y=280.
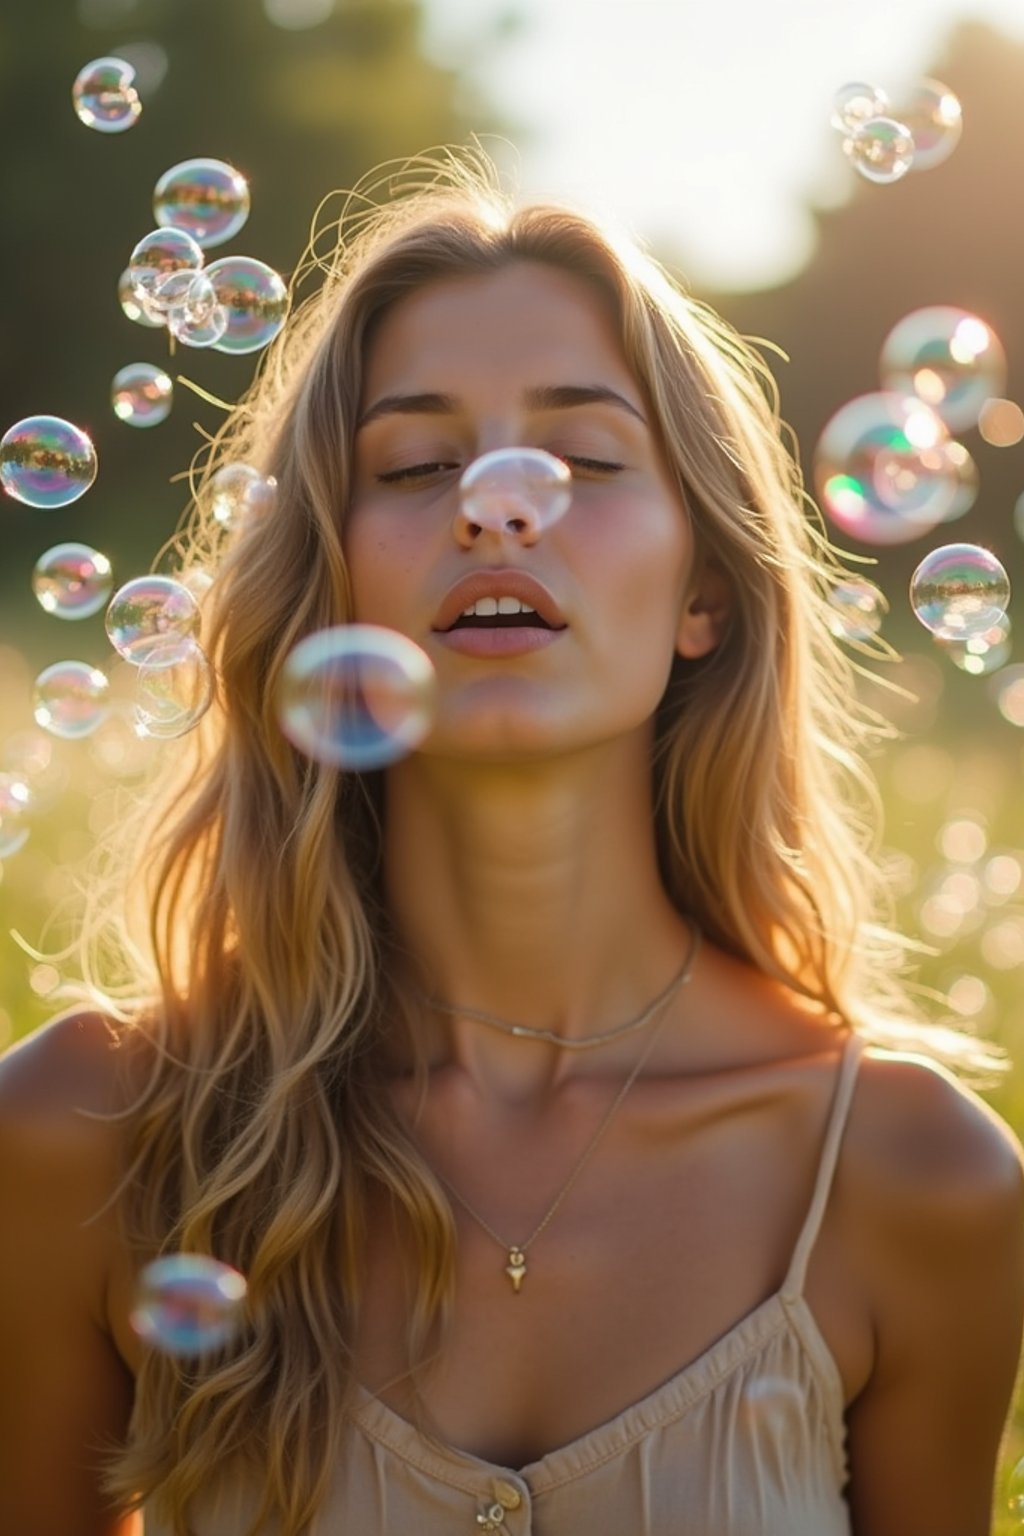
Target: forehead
x=528 y=318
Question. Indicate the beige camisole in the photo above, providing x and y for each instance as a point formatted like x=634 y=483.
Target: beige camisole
x=746 y=1440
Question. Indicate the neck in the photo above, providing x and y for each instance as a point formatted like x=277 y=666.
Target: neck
x=533 y=894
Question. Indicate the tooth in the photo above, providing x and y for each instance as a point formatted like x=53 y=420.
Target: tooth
x=467 y=613
x=484 y=607
x=524 y=609
x=509 y=605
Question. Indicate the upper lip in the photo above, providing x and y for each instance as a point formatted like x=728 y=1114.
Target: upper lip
x=498 y=583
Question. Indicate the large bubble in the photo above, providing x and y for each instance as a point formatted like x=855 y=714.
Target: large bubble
x=46 y=461
x=960 y=590
x=949 y=358
x=357 y=696
x=71 y=699
x=513 y=489
x=255 y=298
x=104 y=95
x=882 y=469
x=187 y=1304
x=147 y=612
x=208 y=199
x=72 y=581
x=142 y=395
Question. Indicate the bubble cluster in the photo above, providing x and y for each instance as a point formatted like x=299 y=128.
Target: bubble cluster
x=188 y=1304
x=146 y=613
x=46 y=461
x=72 y=581
x=162 y=254
x=884 y=140
x=208 y=199
x=142 y=395
x=516 y=489
x=133 y=307
x=197 y=320
x=70 y=699
x=857 y=103
x=237 y=490
x=882 y=469
x=174 y=689
x=949 y=358
x=357 y=696
x=959 y=590
x=15 y=799
x=104 y=95
x=255 y=299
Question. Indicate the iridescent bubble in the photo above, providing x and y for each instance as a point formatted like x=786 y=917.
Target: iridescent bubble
x=238 y=490
x=515 y=489
x=142 y=395
x=357 y=696
x=935 y=118
x=147 y=612
x=187 y=1304
x=71 y=698
x=858 y=608
x=15 y=799
x=959 y=590
x=255 y=298
x=979 y=655
x=881 y=149
x=133 y=306
x=857 y=103
x=104 y=95
x=72 y=581
x=199 y=321
x=881 y=470
x=949 y=358
x=46 y=462
x=208 y=199
x=1007 y=688
x=158 y=256
x=174 y=689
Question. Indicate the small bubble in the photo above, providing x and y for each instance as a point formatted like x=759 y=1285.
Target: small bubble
x=858 y=609
x=188 y=1304
x=142 y=395
x=70 y=699
x=857 y=103
x=256 y=301
x=237 y=490
x=935 y=118
x=72 y=581
x=174 y=689
x=147 y=612
x=880 y=149
x=104 y=95
x=959 y=590
x=160 y=255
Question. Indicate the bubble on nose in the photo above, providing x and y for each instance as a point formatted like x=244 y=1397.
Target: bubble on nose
x=516 y=490
x=187 y=1304
x=357 y=696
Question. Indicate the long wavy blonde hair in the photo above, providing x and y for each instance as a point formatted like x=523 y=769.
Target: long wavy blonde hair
x=258 y=973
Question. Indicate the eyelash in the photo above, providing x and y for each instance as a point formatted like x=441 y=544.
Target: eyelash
x=419 y=471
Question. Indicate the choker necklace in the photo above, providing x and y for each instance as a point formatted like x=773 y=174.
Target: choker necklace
x=516 y=1252
x=584 y=1042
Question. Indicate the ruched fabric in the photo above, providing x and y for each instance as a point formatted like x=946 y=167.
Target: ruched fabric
x=747 y=1440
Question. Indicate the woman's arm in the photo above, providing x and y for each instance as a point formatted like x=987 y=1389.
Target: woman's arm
x=940 y=1208
x=63 y=1386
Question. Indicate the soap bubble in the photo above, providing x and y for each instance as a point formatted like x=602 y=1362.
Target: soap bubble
x=186 y=1304
x=857 y=103
x=147 y=612
x=133 y=306
x=882 y=471
x=935 y=118
x=255 y=298
x=104 y=95
x=46 y=462
x=198 y=320
x=949 y=358
x=356 y=696
x=70 y=699
x=516 y=488
x=959 y=590
x=238 y=489
x=858 y=609
x=72 y=581
x=142 y=395
x=981 y=654
x=174 y=689
x=158 y=256
x=208 y=199
x=881 y=149
x=15 y=799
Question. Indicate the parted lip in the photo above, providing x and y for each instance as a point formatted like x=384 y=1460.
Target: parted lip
x=498 y=583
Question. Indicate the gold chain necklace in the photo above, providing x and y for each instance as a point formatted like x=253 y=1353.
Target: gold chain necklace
x=585 y=1042
x=516 y=1266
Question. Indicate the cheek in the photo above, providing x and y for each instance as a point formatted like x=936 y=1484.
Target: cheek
x=384 y=561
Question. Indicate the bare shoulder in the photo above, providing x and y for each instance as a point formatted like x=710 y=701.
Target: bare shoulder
x=67 y=1063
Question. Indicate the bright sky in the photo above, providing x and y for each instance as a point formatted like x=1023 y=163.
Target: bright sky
x=702 y=125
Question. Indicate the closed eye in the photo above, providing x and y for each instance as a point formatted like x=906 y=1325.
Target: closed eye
x=423 y=471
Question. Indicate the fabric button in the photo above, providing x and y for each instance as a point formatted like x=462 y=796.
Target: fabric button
x=507 y=1494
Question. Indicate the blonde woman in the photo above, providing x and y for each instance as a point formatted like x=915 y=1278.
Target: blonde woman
x=553 y=1088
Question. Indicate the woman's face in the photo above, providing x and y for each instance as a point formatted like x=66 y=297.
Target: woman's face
x=616 y=565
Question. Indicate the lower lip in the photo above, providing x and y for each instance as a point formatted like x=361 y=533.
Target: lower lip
x=497 y=641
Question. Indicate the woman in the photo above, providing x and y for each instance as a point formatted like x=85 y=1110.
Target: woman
x=529 y=1081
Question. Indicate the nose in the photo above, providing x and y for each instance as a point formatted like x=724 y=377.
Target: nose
x=500 y=515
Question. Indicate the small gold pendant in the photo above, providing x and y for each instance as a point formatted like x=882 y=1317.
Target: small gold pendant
x=516 y=1267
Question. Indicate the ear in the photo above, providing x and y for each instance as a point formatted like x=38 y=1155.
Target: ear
x=706 y=613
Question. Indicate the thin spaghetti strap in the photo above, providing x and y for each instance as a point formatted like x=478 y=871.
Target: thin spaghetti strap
x=846 y=1078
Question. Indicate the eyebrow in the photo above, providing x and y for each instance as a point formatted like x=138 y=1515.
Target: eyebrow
x=543 y=397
